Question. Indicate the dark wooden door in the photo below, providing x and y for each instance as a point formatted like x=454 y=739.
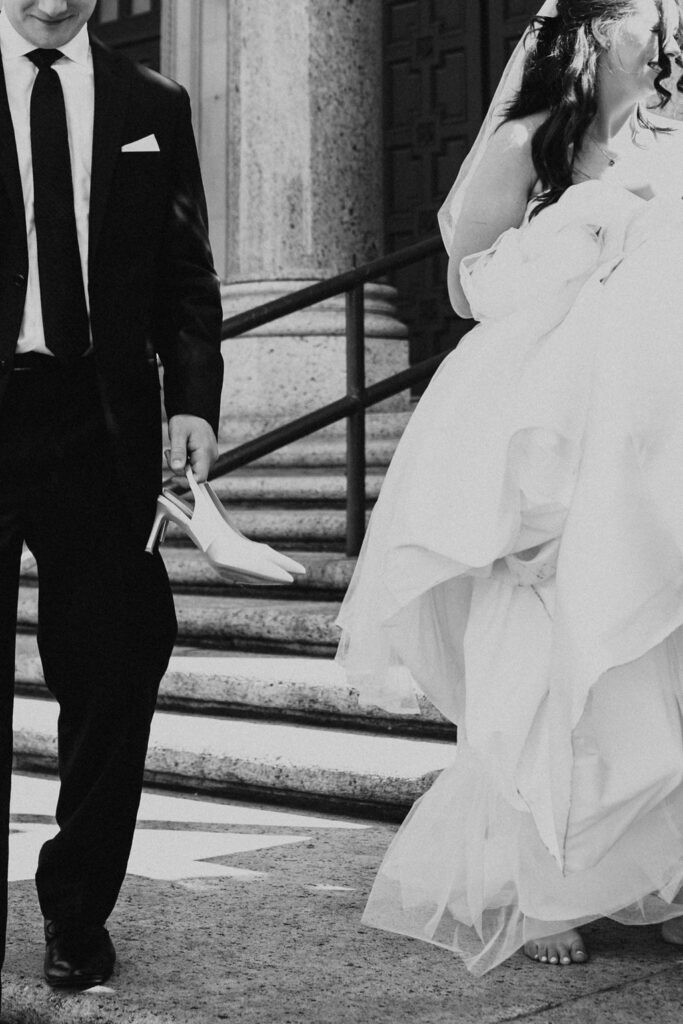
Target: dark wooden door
x=506 y=22
x=133 y=26
x=432 y=104
x=442 y=60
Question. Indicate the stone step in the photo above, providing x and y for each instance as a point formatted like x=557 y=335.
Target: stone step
x=328 y=573
x=276 y=687
x=290 y=526
x=297 y=487
x=237 y=623
x=257 y=760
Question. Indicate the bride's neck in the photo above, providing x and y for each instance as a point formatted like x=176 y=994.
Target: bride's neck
x=615 y=110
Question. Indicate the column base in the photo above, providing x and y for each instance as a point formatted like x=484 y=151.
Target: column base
x=298 y=363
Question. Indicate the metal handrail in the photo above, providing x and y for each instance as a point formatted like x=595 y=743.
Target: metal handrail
x=359 y=396
x=328 y=289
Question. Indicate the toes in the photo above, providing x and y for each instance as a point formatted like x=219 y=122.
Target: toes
x=562 y=953
x=578 y=953
x=565 y=954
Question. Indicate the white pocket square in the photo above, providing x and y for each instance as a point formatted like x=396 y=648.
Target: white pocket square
x=147 y=145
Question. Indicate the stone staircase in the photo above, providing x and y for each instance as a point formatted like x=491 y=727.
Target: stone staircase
x=253 y=704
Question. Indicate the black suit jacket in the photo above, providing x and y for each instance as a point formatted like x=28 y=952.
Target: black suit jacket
x=152 y=285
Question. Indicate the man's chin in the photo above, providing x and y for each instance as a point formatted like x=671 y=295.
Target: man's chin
x=51 y=37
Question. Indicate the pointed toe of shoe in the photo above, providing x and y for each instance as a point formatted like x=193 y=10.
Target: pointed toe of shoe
x=241 y=560
x=232 y=555
x=286 y=563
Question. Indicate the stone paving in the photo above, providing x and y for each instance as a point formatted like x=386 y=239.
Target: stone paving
x=250 y=914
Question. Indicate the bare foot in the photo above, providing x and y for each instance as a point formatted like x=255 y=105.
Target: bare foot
x=672 y=931
x=563 y=948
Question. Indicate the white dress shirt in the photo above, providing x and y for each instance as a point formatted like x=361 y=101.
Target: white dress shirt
x=75 y=70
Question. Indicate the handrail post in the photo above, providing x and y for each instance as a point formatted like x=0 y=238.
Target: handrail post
x=355 y=423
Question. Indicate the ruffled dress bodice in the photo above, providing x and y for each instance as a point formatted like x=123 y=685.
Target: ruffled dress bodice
x=541 y=266
x=524 y=568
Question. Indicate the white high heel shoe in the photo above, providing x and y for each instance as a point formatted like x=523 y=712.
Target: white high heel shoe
x=229 y=552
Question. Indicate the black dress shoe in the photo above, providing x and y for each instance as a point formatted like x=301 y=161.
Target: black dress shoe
x=77 y=955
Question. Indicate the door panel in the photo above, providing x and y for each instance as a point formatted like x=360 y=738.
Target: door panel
x=133 y=26
x=442 y=61
x=433 y=102
x=507 y=20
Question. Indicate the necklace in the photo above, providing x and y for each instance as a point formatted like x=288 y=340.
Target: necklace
x=611 y=160
x=612 y=157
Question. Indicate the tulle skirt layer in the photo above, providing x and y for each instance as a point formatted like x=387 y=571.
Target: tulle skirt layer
x=468 y=870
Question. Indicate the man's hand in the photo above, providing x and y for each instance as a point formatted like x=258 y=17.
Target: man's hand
x=193 y=441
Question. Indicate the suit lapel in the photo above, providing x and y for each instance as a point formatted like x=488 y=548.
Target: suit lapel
x=112 y=84
x=9 y=162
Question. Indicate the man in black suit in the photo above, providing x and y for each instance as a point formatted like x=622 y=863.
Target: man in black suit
x=104 y=263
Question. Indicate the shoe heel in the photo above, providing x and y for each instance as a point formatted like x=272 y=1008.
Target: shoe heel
x=158 y=532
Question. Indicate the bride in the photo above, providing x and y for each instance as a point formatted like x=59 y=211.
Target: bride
x=524 y=563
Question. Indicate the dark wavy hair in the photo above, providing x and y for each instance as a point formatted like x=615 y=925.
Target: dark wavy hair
x=560 y=75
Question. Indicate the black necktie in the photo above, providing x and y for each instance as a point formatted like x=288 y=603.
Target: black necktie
x=62 y=295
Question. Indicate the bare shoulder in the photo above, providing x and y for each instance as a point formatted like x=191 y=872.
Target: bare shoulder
x=509 y=148
x=665 y=145
x=668 y=120
x=668 y=132
x=517 y=136
x=508 y=158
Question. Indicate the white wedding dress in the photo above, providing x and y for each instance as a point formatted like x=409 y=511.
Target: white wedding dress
x=524 y=566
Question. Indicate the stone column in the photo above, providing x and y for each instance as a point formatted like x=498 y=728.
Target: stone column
x=194 y=51
x=288 y=102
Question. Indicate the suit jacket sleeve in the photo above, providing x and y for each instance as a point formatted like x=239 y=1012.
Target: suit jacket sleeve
x=188 y=316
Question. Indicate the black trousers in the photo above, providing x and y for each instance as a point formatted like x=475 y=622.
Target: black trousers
x=106 y=629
